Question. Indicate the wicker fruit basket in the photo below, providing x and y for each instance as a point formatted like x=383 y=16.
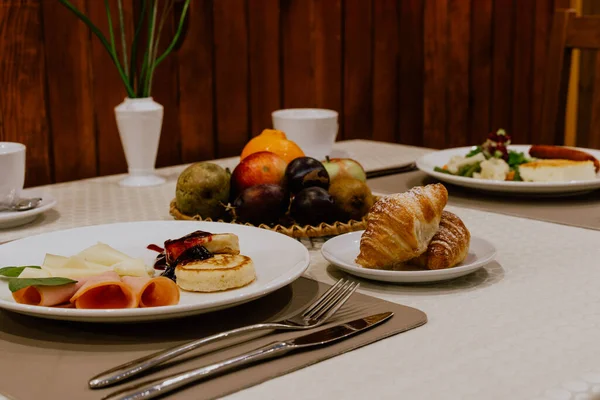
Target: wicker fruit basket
x=295 y=231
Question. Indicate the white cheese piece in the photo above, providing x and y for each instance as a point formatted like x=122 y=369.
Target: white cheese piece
x=493 y=169
x=131 y=267
x=459 y=161
x=103 y=254
x=76 y=267
x=54 y=261
x=34 y=273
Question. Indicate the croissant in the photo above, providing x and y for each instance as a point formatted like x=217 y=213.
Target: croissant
x=449 y=246
x=400 y=226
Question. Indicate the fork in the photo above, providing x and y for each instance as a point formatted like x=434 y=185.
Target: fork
x=313 y=316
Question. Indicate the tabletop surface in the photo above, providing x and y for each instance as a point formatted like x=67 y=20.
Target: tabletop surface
x=524 y=327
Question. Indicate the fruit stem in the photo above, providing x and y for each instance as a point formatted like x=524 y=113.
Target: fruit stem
x=327 y=158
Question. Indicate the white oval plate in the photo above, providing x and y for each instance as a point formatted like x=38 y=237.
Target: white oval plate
x=439 y=158
x=278 y=260
x=342 y=250
x=11 y=219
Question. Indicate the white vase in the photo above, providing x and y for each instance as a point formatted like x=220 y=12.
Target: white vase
x=140 y=122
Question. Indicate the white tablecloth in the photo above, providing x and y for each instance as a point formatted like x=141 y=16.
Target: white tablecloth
x=525 y=327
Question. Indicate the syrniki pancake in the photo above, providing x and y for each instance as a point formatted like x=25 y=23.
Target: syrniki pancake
x=218 y=273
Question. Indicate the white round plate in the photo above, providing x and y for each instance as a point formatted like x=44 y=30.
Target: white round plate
x=342 y=250
x=11 y=219
x=439 y=158
x=278 y=260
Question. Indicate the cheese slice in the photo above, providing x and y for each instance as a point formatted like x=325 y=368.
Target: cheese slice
x=131 y=267
x=54 y=261
x=75 y=267
x=103 y=254
x=34 y=273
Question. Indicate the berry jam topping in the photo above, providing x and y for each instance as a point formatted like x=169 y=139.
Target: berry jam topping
x=495 y=145
x=196 y=253
x=161 y=262
x=156 y=248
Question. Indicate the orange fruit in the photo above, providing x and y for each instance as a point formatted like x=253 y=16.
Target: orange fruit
x=274 y=141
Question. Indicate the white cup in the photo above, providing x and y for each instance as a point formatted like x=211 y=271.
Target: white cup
x=313 y=129
x=12 y=171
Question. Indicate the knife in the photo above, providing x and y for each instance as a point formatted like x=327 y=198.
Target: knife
x=158 y=387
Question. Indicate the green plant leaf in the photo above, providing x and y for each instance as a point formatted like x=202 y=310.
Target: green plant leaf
x=104 y=42
x=13 y=272
x=15 y=284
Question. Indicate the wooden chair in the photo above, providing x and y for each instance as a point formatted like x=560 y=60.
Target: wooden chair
x=568 y=32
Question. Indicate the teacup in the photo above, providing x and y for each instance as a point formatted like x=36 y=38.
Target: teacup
x=12 y=171
x=313 y=129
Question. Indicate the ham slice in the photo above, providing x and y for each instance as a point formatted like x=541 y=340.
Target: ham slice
x=104 y=291
x=46 y=295
x=153 y=292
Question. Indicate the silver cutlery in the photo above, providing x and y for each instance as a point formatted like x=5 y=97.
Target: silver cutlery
x=22 y=205
x=161 y=386
x=313 y=316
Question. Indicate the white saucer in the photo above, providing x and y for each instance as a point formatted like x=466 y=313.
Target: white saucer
x=342 y=250
x=11 y=219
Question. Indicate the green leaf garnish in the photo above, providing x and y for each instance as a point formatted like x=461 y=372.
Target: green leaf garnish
x=13 y=272
x=442 y=170
x=15 y=284
x=516 y=159
x=517 y=176
x=474 y=151
x=474 y=168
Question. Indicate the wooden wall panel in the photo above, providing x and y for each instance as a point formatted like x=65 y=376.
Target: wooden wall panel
x=231 y=74
x=435 y=66
x=411 y=72
x=326 y=53
x=480 y=72
x=457 y=96
x=587 y=73
x=386 y=43
x=544 y=10
x=265 y=72
x=502 y=64
x=107 y=92
x=22 y=79
x=165 y=88
x=358 y=75
x=67 y=48
x=435 y=73
x=196 y=86
x=522 y=75
x=298 y=76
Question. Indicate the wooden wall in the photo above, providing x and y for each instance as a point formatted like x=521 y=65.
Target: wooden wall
x=435 y=73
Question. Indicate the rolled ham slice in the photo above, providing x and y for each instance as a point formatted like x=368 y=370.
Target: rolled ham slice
x=153 y=292
x=104 y=291
x=46 y=295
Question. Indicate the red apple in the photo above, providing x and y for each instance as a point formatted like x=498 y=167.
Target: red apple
x=344 y=167
x=258 y=168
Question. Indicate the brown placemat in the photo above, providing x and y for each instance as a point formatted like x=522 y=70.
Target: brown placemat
x=44 y=359
x=582 y=211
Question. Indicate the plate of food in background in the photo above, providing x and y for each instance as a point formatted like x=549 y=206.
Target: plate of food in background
x=499 y=166
x=141 y=271
x=410 y=238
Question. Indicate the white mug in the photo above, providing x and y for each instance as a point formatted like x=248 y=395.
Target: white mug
x=12 y=171
x=313 y=129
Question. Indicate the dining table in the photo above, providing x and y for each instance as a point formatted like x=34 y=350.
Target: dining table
x=525 y=326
